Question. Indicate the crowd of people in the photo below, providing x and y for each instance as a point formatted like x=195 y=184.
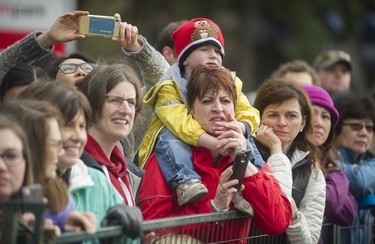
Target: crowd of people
x=109 y=145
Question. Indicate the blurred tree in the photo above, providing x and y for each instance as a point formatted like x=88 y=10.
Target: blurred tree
x=259 y=35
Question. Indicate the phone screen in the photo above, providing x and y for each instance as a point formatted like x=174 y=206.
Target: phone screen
x=102 y=26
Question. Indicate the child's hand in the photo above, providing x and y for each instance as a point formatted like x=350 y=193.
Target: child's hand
x=223 y=126
x=231 y=140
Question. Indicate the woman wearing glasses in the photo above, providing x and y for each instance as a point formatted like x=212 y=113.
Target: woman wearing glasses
x=353 y=136
x=40 y=121
x=15 y=162
x=71 y=69
x=37 y=45
x=114 y=95
x=88 y=187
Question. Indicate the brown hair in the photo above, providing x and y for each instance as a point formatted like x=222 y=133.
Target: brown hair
x=70 y=102
x=204 y=79
x=164 y=37
x=96 y=84
x=7 y=122
x=297 y=66
x=33 y=116
x=277 y=91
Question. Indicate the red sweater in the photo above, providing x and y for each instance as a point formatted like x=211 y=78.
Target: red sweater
x=271 y=206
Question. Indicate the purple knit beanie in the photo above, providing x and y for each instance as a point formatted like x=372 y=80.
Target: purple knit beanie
x=319 y=96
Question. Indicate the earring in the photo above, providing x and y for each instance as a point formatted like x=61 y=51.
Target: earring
x=301 y=130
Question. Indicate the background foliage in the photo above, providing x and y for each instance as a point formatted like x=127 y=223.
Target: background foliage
x=259 y=34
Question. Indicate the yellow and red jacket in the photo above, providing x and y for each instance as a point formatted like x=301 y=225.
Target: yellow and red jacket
x=168 y=98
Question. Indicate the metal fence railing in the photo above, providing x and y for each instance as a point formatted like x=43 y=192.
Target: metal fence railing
x=200 y=228
x=224 y=227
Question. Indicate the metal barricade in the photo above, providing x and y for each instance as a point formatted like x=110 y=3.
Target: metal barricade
x=12 y=231
x=223 y=227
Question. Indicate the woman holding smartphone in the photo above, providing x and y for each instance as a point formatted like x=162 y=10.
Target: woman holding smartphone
x=41 y=122
x=211 y=99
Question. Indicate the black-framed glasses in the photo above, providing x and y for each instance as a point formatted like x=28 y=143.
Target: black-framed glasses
x=359 y=126
x=118 y=101
x=12 y=157
x=71 y=68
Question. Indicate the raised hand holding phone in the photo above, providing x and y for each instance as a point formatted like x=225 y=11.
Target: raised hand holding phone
x=99 y=25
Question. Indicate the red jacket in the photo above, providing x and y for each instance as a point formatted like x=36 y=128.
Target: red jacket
x=271 y=206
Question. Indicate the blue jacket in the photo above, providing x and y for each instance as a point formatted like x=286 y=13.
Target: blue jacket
x=59 y=218
x=360 y=172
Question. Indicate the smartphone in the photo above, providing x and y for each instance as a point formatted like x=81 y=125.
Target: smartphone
x=239 y=166
x=98 y=25
x=32 y=193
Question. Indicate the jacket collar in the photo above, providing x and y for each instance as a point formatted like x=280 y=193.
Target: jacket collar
x=299 y=158
x=79 y=177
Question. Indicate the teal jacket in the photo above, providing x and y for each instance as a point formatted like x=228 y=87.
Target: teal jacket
x=91 y=191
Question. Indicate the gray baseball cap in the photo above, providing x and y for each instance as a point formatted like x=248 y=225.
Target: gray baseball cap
x=331 y=57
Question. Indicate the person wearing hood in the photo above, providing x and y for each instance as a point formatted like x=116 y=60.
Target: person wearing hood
x=340 y=207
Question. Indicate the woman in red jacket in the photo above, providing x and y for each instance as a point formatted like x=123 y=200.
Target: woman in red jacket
x=211 y=101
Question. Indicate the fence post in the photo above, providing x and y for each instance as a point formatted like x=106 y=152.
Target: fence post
x=11 y=212
x=9 y=225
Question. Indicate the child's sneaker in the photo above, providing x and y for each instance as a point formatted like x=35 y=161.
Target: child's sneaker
x=242 y=205
x=190 y=191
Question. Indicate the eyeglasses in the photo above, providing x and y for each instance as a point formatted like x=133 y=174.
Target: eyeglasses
x=56 y=143
x=117 y=101
x=71 y=68
x=12 y=157
x=358 y=127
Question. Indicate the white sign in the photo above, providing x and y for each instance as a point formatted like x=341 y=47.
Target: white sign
x=32 y=14
x=20 y=17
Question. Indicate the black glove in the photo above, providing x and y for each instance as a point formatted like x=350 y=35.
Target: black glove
x=130 y=218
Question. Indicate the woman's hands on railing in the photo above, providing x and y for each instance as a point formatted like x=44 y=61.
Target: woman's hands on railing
x=78 y=221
